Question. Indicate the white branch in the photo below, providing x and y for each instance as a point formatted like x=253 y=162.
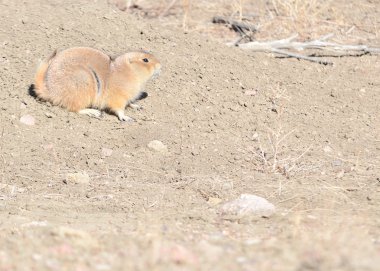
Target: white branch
x=320 y=44
x=278 y=47
x=308 y=58
x=165 y=12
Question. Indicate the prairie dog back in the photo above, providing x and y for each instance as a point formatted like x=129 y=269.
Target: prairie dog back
x=82 y=79
x=75 y=78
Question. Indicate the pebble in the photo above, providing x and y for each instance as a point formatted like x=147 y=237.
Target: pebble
x=250 y=92
x=77 y=178
x=77 y=237
x=49 y=115
x=337 y=162
x=28 y=120
x=209 y=251
x=248 y=205
x=227 y=185
x=340 y=174
x=106 y=152
x=327 y=149
x=157 y=146
x=177 y=254
x=43 y=223
x=213 y=201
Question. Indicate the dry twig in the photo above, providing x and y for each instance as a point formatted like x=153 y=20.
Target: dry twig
x=165 y=12
x=280 y=47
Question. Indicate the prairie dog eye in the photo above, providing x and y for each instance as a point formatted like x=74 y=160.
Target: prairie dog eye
x=146 y=60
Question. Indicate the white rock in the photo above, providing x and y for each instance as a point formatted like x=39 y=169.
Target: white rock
x=250 y=92
x=158 y=146
x=49 y=115
x=209 y=251
x=213 y=201
x=77 y=178
x=340 y=174
x=75 y=236
x=43 y=223
x=28 y=120
x=248 y=205
x=106 y=152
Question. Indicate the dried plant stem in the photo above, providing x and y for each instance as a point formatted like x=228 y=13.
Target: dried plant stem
x=165 y=12
x=186 y=9
x=241 y=10
x=279 y=47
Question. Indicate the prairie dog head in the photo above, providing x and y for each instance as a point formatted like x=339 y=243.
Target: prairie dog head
x=143 y=64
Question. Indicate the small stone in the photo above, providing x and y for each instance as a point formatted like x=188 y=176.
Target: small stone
x=77 y=237
x=22 y=106
x=36 y=257
x=63 y=249
x=228 y=185
x=248 y=205
x=49 y=146
x=28 y=120
x=254 y=241
x=77 y=178
x=157 y=146
x=337 y=163
x=49 y=115
x=241 y=259
x=209 y=251
x=101 y=267
x=340 y=174
x=213 y=201
x=177 y=254
x=250 y=92
x=362 y=90
x=106 y=152
x=327 y=149
x=43 y=223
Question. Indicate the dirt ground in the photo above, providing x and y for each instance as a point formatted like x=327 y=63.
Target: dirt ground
x=302 y=135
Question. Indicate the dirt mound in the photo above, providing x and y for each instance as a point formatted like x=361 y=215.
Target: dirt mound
x=304 y=136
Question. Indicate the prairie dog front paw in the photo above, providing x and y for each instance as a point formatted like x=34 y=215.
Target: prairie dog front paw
x=122 y=117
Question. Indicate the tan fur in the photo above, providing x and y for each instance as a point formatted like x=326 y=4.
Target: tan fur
x=40 y=76
x=81 y=77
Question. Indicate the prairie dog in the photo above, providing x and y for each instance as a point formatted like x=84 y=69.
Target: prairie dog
x=86 y=80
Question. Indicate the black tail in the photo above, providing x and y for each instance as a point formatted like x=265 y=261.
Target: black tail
x=32 y=91
x=142 y=96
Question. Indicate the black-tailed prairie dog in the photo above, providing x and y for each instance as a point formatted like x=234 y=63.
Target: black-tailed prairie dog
x=86 y=80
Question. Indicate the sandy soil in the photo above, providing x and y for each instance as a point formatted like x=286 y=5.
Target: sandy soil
x=217 y=109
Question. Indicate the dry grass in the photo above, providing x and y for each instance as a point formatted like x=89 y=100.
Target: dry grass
x=307 y=18
x=273 y=152
x=274 y=155
x=275 y=19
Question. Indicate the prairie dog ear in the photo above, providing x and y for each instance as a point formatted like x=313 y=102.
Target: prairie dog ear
x=113 y=57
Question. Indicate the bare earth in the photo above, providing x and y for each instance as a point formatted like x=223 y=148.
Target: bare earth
x=302 y=135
